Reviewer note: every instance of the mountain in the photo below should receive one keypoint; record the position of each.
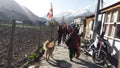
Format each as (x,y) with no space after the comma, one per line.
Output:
(10,9)
(69,15)
(87,11)
(65,14)
(32,16)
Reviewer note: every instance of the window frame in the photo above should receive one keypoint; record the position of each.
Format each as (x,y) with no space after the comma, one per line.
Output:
(107,25)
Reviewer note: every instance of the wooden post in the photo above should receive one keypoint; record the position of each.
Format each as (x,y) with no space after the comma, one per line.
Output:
(39,40)
(10,46)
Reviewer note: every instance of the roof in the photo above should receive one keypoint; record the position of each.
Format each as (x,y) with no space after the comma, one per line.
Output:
(79,17)
(91,16)
(111,7)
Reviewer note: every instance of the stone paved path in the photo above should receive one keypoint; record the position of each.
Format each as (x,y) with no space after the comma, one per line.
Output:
(61,60)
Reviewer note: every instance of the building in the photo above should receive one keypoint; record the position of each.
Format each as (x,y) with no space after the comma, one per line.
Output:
(89,26)
(110,23)
(81,22)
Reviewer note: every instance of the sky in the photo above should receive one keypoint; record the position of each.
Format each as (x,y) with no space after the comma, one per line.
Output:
(41,7)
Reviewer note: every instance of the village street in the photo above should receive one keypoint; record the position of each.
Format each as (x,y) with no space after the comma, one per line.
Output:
(26,24)
(61,60)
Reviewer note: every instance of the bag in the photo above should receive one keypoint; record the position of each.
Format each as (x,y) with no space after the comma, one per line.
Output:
(69,42)
(78,53)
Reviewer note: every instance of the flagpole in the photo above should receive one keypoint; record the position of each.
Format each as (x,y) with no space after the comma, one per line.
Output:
(51,29)
(50,16)
(51,22)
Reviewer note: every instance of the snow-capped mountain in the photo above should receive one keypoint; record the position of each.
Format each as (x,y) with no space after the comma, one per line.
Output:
(70,15)
(65,13)
(9,9)
(87,11)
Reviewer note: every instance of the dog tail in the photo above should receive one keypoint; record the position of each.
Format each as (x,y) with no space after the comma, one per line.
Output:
(45,44)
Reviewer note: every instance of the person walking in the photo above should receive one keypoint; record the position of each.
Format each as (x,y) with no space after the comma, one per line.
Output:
(74,44)
(70,30)
(60,31)
(65,32)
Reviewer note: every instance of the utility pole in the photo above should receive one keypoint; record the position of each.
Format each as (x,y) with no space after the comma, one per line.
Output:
(97,12)
(96,18)
(10,46)
(102,4)
(101,16)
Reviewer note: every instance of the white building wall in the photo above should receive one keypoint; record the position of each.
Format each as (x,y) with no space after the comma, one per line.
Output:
(117,44)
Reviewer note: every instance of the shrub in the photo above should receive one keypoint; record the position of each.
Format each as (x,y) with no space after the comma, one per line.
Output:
(26,64)
(34,57)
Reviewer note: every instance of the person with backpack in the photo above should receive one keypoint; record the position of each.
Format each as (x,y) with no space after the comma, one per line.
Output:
(73,43)
(70,30)
(65,32)
(60,34)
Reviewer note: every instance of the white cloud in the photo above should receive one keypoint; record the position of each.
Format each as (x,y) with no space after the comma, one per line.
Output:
(38,7)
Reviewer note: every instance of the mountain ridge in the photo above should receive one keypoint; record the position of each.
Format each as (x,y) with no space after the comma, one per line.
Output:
(87,11)
(10,9)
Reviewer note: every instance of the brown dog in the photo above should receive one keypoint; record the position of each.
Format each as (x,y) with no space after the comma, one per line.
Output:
(49,48)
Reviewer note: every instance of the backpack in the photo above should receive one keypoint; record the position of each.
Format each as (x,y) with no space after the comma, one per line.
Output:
(69,42)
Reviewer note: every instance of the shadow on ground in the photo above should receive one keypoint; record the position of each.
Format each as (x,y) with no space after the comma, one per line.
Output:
(60,63)
(87,64)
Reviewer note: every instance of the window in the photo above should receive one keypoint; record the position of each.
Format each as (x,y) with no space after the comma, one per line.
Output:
(118,26)
(114,16)
(108,17)
(111,30)
(109,27)
(105,29)
(118,31)
(107,20)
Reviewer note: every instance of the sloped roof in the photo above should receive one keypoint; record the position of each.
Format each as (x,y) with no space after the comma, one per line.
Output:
(111,7)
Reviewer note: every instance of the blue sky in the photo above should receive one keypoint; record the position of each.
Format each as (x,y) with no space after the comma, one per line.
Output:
(41,7)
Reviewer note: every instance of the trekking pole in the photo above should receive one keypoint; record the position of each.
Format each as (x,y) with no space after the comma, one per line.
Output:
(10,46)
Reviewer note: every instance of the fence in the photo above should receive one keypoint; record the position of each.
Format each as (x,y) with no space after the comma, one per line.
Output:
(18,40)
